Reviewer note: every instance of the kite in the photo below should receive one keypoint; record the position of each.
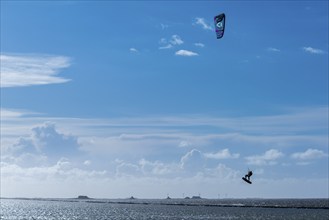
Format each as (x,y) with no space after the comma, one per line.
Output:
(219,21)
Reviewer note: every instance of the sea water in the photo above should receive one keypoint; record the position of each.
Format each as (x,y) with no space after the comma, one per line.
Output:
(99,209)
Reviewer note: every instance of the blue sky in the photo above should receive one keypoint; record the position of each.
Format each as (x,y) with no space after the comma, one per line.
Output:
(114,99)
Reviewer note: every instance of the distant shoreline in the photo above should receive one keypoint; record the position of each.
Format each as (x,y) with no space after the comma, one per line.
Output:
(177,198)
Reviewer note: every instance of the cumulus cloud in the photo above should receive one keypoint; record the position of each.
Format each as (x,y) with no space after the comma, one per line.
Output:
(47,139)
(29,70)
(268,158)
(309,154)
(222,172)
(203,23)
(193,161)
(156,168)
(186,53)
(222,154)
(44,142)
(127,169)
(313,50)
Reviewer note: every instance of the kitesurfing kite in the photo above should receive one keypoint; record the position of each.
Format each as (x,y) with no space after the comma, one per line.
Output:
(219,21)
(247,177)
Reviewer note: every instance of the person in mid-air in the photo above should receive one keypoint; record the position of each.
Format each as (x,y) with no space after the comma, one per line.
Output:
(248,175)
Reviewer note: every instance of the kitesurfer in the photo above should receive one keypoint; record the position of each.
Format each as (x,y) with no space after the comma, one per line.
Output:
(248,175)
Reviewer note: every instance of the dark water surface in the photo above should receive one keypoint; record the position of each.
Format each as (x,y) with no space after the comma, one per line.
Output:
(60,209)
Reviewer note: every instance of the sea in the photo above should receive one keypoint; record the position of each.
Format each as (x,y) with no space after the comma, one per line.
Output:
(101,209)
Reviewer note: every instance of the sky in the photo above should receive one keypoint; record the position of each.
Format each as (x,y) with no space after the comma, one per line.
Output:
(113,99)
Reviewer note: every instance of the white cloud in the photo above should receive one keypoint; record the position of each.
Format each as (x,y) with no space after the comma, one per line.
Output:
(313,50)
(28,70)
(309,154)
(47,139)
(186,53)
(184,144)
(63,169)
(87,162)
(268,158)
(203,23)
(127,169)
(193,161)
(157,167)
(25,159)
(12,113)
(222,154)
(163,41)
(44,143)
(145,168)
(168,46)
(164,26)
(273,49)
(199,44)
(175,40)
(133,50)
(223,172)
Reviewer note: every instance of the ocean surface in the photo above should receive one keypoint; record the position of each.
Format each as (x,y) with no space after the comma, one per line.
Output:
(99,209)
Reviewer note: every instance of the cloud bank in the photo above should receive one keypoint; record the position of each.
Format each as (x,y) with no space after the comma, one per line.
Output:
(128,154)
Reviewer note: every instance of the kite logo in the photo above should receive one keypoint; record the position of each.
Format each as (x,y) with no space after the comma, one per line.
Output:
(219,25)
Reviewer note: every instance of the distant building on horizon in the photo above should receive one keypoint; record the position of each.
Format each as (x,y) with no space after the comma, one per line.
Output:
(83,197)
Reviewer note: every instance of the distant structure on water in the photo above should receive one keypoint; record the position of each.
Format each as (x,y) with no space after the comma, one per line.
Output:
(83,197)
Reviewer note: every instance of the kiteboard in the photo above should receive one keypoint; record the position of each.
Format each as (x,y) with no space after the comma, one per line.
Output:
(245,179)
